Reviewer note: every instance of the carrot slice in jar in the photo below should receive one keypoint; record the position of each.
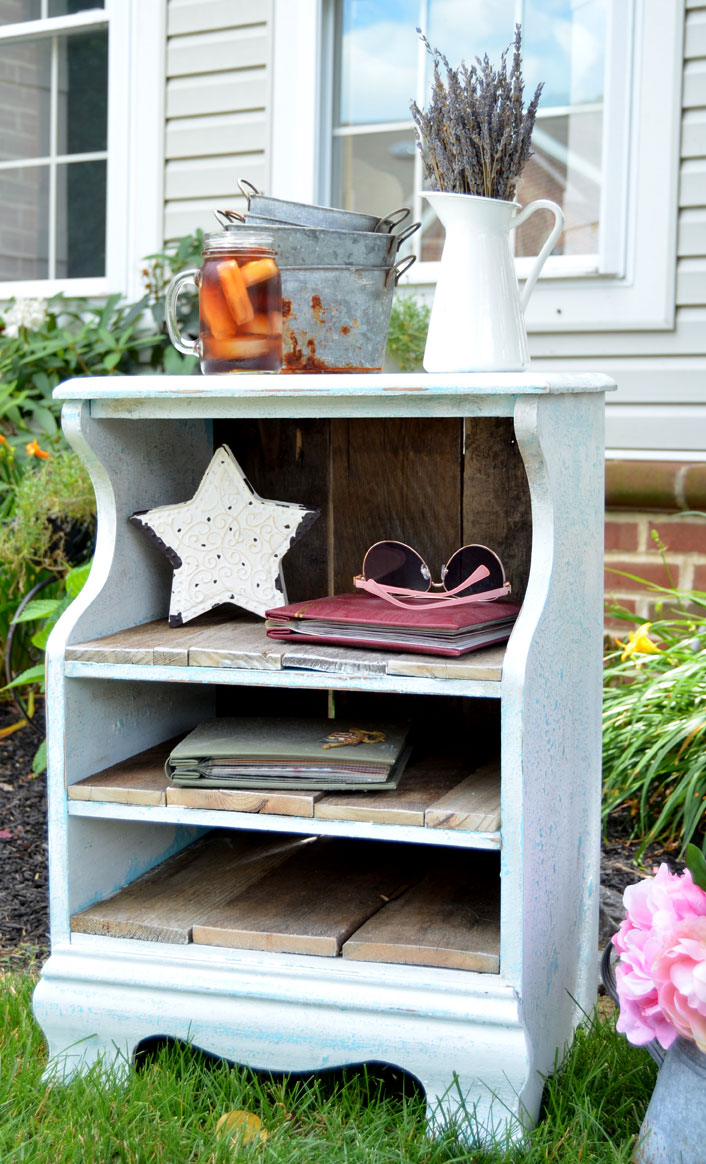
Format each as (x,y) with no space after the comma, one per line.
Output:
(258,270)
(214,311)
(244,347)
(235,291)
(260,325)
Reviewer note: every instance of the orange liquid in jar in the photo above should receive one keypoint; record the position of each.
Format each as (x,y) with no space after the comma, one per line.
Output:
(240,309)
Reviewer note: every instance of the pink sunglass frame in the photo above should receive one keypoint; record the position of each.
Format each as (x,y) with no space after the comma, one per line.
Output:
(431,600)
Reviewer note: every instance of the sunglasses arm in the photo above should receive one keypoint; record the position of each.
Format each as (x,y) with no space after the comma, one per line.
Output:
(389,592)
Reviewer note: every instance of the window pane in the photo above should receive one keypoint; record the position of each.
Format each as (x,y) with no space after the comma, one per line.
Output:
(24,100)
(83,93)
(463,31)
(377,74)
(15,11)
(566,50)
(68,7)
(566,167)
(24,213)
(80,215)
(374,171)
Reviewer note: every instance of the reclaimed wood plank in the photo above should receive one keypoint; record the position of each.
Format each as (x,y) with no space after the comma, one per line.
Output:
(132,645)
(449,919)
(246,800)
(486,664)
(418,458)
(314,901)
(474,804)
(138,780)
(162,905)
(496,500)
(420,786)
(237,643)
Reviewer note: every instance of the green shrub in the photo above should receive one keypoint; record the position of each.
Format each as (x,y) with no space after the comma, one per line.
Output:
(406,339)
(654,720)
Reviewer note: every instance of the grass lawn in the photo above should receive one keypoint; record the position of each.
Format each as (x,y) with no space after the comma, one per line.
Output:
(168,1110)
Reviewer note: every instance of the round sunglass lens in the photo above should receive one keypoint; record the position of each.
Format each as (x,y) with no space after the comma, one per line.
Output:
(465,561)
(395,564)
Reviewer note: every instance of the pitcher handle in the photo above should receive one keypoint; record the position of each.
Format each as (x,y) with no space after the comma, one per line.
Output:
(522,216)
(186,347)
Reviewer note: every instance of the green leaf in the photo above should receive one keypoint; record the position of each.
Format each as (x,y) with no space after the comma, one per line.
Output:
(696,864)
(112,359)
(31,675)
(37,608)
(39,762)
(76,579)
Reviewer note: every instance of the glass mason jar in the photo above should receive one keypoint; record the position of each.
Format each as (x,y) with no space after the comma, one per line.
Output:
(240,304)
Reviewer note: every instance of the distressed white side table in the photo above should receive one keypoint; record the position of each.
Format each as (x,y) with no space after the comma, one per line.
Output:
(486,1037)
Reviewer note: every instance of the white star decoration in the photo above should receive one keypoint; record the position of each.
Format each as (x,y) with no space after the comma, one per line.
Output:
(226,544)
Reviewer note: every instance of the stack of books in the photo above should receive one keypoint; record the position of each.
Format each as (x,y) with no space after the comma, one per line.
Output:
(278,753)
(359,619)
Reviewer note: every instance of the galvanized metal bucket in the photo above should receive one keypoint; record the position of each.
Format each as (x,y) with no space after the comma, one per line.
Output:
(335,318)
(307,214)
(315,246)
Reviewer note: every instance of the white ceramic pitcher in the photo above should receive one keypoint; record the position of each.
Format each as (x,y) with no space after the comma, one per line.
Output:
(477,319)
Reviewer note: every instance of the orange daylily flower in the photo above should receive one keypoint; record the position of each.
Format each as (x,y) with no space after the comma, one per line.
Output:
(3,439)
(33,450)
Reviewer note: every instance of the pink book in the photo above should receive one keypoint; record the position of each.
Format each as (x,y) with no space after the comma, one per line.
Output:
(358,619)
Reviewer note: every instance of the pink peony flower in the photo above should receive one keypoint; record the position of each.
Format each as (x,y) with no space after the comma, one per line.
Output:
(655,908)
(680,975)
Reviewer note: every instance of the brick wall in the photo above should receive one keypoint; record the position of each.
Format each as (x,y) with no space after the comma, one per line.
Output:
(648,503)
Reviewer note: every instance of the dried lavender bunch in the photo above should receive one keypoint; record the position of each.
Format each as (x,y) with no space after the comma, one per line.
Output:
(474,136)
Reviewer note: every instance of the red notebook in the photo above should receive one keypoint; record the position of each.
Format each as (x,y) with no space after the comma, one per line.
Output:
(364,620)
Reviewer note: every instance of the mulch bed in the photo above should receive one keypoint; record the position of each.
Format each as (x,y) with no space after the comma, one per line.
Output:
(24,915)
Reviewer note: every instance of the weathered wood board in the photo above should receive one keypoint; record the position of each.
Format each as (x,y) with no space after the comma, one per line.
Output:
(313,902)
(258,800)
(163,905)
(449,919)
(420,787)
(138,780)
(474,804)
(241,642)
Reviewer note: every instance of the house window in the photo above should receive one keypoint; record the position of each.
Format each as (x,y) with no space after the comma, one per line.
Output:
(381,64)
(67,185)
(606,139)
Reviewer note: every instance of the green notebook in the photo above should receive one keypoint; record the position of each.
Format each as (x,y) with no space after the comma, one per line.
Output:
(314,754)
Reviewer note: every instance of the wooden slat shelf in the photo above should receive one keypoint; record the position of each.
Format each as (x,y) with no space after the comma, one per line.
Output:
(241,642)
(432,793)
(364,900)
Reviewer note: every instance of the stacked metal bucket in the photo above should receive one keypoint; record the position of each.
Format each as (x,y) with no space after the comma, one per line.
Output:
(339,271)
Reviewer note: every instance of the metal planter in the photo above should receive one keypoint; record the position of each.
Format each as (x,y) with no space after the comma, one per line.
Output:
(313,246)
(306,214)
(336,318)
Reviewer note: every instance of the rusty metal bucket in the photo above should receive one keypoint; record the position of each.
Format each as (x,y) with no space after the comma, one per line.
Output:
(336,318)
(307,214)
(315,246)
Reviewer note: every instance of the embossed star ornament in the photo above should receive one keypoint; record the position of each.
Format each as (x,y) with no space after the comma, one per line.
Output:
(226,544)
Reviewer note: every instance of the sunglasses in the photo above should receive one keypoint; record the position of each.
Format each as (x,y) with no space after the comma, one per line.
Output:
(391,569)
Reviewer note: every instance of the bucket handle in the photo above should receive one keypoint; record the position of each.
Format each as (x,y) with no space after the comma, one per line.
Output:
(400,268)
(227,217)
(247,189)
(407,233)
(402,211)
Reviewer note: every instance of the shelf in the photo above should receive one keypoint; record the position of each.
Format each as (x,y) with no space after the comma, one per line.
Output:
(380,903)
(241,643)
(436,793)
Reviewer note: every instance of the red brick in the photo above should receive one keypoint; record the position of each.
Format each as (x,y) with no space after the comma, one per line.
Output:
(642,484)
(621,535)
(681,536)
(699,578)
(647,571)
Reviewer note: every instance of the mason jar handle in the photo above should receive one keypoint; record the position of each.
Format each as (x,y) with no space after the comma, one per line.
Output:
(517,220)
(187,348)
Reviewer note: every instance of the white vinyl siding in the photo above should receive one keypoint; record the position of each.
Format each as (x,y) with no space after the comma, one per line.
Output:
(217,97)
(660,405)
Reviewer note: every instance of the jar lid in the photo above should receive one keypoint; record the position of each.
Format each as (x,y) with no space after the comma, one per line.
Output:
(238,236)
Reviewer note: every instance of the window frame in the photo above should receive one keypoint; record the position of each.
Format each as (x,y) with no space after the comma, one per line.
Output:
(135,137)
(636,288)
